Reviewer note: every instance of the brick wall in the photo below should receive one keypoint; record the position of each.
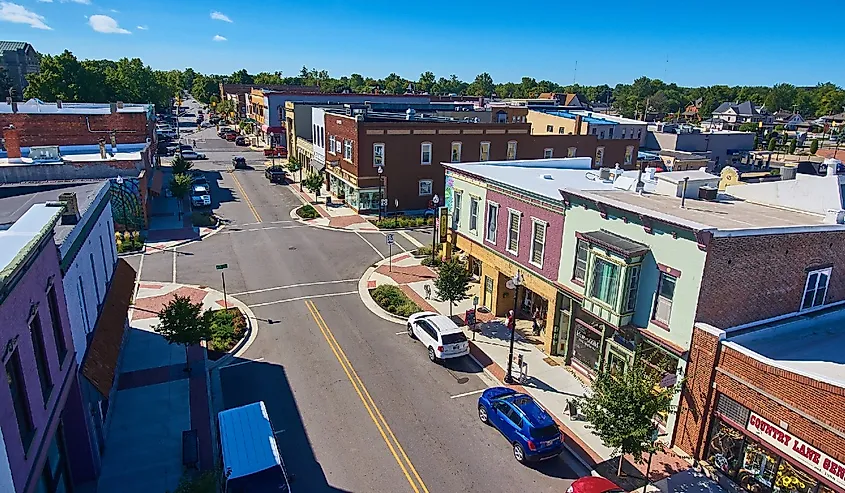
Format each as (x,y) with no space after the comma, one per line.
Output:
(808,402)
(752,278)
(65,130)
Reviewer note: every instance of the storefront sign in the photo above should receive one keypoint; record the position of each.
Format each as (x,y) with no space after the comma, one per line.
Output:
(795,448)
(444,223)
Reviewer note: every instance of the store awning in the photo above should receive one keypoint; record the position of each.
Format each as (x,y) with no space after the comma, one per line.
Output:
(157,182)
(614,243)
(100,364)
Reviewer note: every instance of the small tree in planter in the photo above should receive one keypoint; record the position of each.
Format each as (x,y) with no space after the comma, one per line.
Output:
(180,165)
(180,185)
(313,182)
(621,408)
(814,146)
(452,282)
(183,322)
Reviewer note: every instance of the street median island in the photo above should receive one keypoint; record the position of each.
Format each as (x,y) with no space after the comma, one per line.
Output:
(402,222)
(228,327)
(391,299)
(307,211)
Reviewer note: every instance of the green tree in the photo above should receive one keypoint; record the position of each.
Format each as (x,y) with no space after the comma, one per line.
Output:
(773,142)
(482,85)
(621,408)
(426,82)
(814,146)
(180,165)
(205,482)
(452,282)
(793,143)
(180,186)
(266,78)
(293,164)
(183,322)
(241,77)
(313,182)
(61,77)
(6,84)
(749,127)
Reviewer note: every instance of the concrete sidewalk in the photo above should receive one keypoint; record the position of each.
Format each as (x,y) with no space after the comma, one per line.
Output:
(156,399)
(336,215)
(548,380)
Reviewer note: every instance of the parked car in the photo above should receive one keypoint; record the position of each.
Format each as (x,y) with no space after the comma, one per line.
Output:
(594,484)
(200,192)
(231,137)
(239,162)
(241,141)
(276,174)
(193,155)
(439,334)
(530,430)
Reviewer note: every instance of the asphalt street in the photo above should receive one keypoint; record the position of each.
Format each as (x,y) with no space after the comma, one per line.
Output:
(355,402)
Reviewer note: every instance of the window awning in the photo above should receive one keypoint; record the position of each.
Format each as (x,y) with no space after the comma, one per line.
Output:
(615,243)
(100,364)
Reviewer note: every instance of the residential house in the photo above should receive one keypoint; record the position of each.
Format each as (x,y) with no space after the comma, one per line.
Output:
(410,149)
(736,114)
(18,59)
(692,111)
(789,120)
(97,290)
(42,415)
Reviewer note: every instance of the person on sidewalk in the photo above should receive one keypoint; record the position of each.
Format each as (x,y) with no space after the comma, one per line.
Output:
(511,320)
(535,325)
(427,289)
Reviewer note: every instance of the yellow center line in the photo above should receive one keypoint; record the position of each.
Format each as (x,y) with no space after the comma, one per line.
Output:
(369,403)
(246,198)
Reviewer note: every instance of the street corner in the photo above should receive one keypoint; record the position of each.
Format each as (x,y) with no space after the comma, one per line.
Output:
(152,297)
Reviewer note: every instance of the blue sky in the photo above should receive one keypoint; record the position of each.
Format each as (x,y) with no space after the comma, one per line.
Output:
(736,43)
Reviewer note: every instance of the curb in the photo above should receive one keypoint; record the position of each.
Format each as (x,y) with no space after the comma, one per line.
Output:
(221,225)
(246,341)
(371,305)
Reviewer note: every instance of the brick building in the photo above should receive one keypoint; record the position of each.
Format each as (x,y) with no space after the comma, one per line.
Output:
(66,124)
(18,59)
(410,149)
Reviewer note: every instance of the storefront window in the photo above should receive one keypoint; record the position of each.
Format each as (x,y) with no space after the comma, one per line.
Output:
(725,448)
(758,469)
(586,346)
(665,364)
(793,480)
(368,200)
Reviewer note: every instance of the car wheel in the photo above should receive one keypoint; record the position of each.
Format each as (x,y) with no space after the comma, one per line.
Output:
(411,331)
(431,355)
(518,453)
(482,414)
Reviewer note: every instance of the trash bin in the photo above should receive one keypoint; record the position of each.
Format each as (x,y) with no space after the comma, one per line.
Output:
(328,201)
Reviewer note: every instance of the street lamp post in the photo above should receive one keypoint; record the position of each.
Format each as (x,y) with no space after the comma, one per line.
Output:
(434,200)
(514,284)
(380,193)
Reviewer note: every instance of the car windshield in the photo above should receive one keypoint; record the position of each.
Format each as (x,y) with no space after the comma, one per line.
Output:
(453,338)
(546,432)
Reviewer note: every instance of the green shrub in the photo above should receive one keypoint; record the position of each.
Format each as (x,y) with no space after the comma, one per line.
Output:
(203,219)
(431,262)
(128,241)
(307,212)
(392,299)
(403,222)
(423,251)
(227,328)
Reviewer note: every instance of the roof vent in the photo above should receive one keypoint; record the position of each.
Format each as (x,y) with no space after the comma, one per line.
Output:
(70,215)
(548,177)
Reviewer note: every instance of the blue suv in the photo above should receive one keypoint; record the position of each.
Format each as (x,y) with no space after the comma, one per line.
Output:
(527,426)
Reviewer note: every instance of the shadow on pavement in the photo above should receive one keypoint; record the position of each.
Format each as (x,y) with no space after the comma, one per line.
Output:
(254,381)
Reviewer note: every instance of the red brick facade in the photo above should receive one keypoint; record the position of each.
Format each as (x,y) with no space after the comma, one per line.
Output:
(69,129)
(752,278)
(402,150)
(810,408)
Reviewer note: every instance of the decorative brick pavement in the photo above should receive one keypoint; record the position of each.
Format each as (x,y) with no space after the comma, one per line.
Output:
(149,307)
(406,275)
(344,221)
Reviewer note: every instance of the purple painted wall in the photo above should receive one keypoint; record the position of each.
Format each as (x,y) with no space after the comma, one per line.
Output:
(14,316)
(554,233)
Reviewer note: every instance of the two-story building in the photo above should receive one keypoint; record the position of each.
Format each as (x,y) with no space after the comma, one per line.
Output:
(733,115)
(410,148)
(578,122)
(44,432)
(18,59)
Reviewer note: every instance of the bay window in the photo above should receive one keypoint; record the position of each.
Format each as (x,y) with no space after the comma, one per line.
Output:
(604,283)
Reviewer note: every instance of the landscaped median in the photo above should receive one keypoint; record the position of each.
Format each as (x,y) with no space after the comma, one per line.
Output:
(228,327)
(391,299)
(307,211)
(402,222)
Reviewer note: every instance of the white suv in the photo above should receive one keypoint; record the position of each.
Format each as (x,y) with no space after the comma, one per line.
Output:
(439,334)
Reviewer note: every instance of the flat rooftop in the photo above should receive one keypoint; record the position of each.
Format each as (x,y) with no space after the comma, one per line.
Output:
(37,106)
(724,213)
(593,120)
(810,345)
(14,207)
(17,241)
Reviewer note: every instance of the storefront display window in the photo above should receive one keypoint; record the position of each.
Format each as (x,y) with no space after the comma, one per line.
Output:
(758,469)
(793,480)
(586,347)
(725,448)
(368,200)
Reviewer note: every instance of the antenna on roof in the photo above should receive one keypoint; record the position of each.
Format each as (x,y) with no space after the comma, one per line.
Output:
(575,74)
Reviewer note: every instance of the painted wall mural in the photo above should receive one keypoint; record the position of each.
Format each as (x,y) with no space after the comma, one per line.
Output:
(127,206)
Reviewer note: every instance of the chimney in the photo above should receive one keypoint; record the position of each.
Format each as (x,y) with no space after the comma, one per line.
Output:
(112,108)
(102,144)
(70,215)
(578,120)
(13,142)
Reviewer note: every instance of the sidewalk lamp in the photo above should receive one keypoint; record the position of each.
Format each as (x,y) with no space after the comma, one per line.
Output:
(434,200)
(380,193)
(514,283)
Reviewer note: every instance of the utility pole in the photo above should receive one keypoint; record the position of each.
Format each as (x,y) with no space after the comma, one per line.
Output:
(575,74)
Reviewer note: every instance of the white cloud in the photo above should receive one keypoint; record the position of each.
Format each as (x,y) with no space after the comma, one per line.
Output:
(141,28)
(105,24)
(46,1)
(220,16)
(218,37)
(12,12)
(83,2)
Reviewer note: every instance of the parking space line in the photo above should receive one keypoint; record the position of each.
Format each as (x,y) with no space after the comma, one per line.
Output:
(369,403)
(410,238)
(299,285)
(174,266)
(244,363)
(466,394)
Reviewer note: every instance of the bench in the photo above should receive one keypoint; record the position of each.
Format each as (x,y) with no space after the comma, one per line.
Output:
(190,449)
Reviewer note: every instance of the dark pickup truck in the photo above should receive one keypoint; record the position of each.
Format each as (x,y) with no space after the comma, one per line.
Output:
(276,174)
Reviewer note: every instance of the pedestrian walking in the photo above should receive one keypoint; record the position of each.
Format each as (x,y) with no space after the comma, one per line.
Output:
(511,320)
(535,325)
(427,289)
